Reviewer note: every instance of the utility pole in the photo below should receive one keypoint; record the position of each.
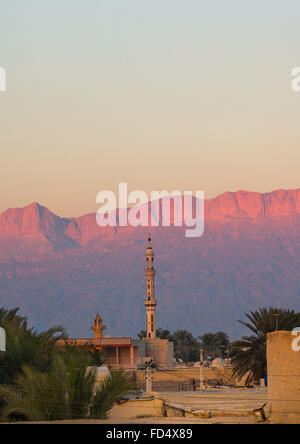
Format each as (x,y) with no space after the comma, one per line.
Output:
(187,357)
(277,317)
(148,376)
(2,340)
(201,370)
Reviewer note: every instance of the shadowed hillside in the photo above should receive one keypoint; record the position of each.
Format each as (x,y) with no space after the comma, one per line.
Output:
(62,271)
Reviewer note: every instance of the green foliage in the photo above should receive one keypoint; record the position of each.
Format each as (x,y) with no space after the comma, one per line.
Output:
(79,381)
(160,333)
(41,382)
(142,334)
(214,345)
(26,347)
(9,316)
(111,391)
(163,334)
(248,355)
(62,393)
(263,321)
(187,347)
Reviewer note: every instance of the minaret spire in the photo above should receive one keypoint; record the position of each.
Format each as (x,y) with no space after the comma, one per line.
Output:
(150,302)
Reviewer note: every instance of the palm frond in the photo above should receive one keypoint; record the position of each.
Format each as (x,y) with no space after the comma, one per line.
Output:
(110,392)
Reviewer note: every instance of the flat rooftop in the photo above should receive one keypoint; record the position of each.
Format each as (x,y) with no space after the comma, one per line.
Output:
(234,400)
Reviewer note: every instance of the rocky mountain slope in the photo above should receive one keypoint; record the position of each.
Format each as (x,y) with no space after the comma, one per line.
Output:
(61,270)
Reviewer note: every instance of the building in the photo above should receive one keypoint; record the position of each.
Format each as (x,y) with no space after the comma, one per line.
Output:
(283,364)
(160,350)
(118,352)
(129,353)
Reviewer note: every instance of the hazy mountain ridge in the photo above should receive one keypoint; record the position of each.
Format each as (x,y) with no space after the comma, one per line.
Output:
(62,270)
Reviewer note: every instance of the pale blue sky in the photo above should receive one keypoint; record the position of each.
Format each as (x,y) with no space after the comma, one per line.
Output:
(161,94)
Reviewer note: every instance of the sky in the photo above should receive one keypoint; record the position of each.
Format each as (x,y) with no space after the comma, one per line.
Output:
(164,95)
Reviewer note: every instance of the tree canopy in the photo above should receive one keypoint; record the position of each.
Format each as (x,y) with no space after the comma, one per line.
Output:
(40,382)
(248,355)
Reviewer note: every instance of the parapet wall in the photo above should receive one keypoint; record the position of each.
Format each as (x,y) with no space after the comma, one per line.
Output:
(184,379)
(283,378)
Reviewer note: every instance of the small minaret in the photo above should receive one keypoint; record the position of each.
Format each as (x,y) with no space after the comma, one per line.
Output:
(98,327)
(150,302)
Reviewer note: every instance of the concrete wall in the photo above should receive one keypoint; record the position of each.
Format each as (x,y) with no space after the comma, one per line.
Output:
(283,378)
(160,350)
(182,379)
(153,408)
(141,345)
(138,408)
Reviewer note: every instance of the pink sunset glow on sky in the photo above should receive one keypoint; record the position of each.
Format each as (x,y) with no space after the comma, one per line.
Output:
(162,95)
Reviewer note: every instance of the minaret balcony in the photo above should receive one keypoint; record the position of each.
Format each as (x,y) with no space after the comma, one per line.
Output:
(150,302)
(150,272)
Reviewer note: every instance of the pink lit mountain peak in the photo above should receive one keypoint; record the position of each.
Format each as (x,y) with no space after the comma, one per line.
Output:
(65,270)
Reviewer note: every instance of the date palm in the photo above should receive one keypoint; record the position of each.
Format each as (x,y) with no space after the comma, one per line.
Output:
(62,393)
(186,346)
(160,333)
(9,316)
(112,390)
(43,383)
(214,344)
(248,355)
(26,347)
(65,392)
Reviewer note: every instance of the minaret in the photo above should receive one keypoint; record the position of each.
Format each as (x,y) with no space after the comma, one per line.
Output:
(98,327)
(150,302)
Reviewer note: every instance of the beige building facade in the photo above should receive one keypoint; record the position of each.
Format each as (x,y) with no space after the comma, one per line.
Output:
(283,360)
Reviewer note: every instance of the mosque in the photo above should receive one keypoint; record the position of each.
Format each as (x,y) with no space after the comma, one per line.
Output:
(128,353)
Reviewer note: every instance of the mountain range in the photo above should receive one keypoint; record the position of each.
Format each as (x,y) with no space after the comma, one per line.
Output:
(65,270)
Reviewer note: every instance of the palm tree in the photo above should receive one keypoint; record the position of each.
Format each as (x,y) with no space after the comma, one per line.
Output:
(44,383)
(62,393)
(65,392)
(111,391)
(38,396)
(9,316)
(186,346)
(26,347)
(163,334)
(214,344)
(160,333)
(80,365)
(248,355)
(224,342)
(142,334)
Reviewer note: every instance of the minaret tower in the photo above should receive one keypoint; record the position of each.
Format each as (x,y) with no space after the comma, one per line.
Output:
(150,302)
(98,327)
